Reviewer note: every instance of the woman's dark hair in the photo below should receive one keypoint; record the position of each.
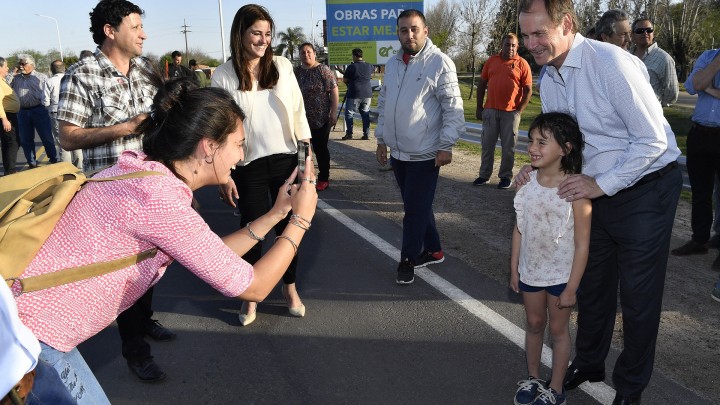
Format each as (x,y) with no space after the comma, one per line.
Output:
(304,44)
(183,115)
(268,73)
(564,129)
(110,12)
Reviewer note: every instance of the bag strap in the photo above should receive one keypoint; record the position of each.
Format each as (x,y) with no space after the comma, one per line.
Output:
(133,175)
(65,276)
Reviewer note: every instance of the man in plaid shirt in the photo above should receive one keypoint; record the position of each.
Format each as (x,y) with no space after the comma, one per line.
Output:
(103,99)
(660,65)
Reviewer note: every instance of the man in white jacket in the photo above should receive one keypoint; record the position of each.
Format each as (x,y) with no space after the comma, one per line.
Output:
(420,119)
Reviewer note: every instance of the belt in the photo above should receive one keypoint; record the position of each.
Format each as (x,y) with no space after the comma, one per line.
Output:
(654,175)
(705,130)
(30,108)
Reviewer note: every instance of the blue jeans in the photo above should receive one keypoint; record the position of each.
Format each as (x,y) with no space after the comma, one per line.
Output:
(31,120)
(75,374)
(48,388)
(417,181)
(351,106)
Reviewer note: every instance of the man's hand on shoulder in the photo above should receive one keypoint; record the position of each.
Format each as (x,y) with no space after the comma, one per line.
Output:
(443,157)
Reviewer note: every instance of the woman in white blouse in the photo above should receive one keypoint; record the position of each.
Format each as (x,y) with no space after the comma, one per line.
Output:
(266,89)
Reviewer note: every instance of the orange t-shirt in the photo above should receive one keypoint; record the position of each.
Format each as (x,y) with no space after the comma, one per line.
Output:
(506,79)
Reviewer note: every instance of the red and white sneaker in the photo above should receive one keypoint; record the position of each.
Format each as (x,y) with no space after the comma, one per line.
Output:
(430,258)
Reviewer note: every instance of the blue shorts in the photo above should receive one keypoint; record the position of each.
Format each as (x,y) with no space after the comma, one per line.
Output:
(554,290)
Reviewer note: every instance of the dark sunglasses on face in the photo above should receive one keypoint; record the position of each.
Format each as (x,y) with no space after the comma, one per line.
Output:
(643,30)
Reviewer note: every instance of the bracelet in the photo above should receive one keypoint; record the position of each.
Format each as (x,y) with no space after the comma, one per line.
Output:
(292,242)
(299,224)
(252,234)
(296,216)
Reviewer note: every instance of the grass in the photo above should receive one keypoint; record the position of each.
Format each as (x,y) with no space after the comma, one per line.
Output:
(678,117)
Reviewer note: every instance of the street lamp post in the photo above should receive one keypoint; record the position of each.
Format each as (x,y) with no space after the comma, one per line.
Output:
(57,27)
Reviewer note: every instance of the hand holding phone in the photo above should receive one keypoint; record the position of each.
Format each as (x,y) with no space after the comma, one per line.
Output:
(302,154)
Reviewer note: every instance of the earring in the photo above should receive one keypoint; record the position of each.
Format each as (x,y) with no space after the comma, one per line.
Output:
(211,159)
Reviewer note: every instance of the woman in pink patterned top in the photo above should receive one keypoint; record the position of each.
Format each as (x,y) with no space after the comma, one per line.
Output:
(193,139)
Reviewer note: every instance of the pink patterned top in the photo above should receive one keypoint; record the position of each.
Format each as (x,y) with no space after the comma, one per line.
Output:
(110,220)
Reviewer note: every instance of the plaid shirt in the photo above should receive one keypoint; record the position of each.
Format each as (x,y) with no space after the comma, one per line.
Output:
(663,77)
(94,94)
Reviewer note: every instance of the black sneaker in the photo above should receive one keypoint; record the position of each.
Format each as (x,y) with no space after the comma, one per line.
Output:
(146,370)
(690,248)
(430,258)
(406,272)
(347,137)
(480,181)
(155,330)
(365,137)
(504,183)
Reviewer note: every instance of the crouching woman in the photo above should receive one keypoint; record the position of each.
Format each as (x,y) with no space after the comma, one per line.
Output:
(193,139)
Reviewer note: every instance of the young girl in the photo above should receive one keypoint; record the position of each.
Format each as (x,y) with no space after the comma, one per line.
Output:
(549,251)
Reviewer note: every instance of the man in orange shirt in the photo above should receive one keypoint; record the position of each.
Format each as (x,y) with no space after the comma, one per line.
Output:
(508,81)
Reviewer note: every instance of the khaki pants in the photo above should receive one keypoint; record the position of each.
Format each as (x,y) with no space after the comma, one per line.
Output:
(503,125)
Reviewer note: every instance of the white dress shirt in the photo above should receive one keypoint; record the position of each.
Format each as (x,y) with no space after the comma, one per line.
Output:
(608,91)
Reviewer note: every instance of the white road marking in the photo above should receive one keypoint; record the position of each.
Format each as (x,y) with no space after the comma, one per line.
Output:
(600,391)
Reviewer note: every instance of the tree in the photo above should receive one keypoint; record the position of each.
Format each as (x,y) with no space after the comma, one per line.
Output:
(290,39)
(474,15)
(442,21)
(505,22)
(588,13)
(683,20)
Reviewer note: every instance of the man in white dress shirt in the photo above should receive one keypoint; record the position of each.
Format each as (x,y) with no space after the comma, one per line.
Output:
(631,175)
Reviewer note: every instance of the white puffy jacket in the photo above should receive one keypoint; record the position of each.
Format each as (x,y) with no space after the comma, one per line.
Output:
(420,110)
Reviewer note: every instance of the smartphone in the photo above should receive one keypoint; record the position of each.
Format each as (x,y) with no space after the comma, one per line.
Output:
(302,154)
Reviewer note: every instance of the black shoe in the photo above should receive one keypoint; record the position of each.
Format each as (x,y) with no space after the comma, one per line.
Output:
(619,400)
(429,257)
(155,330)
(714,242)
(147,370)
(716,264)
(480,181)
(406,272)
(575,377)
(690,248)
(347,137)
(365,137)
(504,183)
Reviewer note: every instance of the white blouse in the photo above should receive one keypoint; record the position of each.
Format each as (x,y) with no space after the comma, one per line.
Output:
(546,225)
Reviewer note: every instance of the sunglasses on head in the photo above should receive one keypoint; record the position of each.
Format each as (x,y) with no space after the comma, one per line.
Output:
(648,30)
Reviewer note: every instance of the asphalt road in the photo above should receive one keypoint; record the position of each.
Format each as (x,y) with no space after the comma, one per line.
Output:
(454,336)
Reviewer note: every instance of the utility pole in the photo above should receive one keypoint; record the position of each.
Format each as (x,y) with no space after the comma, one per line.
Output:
(185,31)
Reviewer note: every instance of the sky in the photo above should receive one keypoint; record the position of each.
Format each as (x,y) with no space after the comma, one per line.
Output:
(22,29)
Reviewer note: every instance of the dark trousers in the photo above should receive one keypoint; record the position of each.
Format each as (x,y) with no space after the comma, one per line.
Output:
(131,325)
(319,142)
(10,143)
(703,165)
(258,184)
(36,119)
(629,244)
(417,181)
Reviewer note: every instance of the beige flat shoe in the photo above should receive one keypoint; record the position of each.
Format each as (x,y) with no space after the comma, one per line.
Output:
(245,317)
